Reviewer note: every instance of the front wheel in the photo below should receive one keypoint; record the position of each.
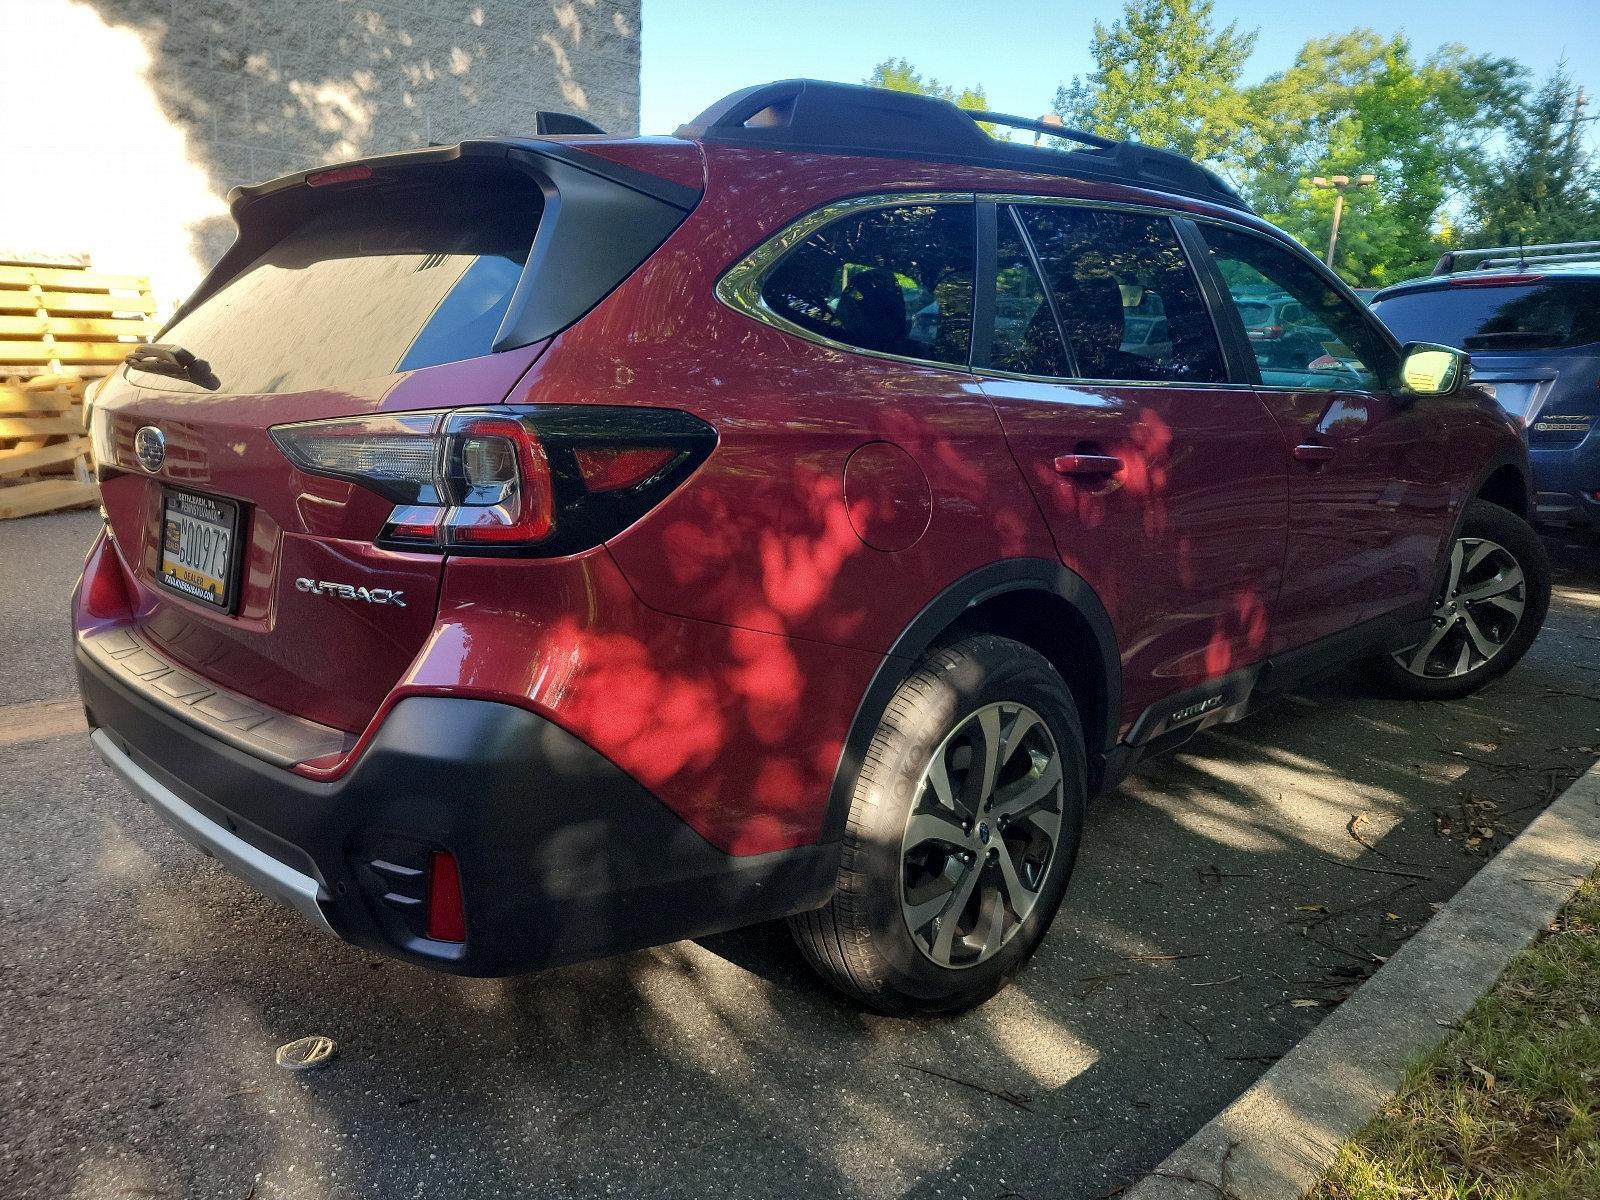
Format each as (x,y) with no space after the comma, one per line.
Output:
(1492,604)
(962,833)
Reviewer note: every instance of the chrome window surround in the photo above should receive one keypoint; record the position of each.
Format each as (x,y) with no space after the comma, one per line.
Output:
(740,286)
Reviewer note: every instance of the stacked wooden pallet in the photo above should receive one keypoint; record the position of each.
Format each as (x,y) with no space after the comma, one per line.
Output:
(62,326)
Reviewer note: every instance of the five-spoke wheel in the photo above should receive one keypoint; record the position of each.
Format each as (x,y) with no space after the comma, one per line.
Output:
(1477,615)
(981,834)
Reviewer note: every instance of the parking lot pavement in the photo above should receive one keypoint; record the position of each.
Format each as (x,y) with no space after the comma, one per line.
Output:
(1226,897)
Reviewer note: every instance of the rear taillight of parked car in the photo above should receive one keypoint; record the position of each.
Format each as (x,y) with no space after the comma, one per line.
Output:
(541,480)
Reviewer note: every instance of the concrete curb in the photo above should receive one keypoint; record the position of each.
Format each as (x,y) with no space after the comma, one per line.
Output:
(1271,1143)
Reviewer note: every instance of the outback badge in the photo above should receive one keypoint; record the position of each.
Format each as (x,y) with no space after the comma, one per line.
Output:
(346,591)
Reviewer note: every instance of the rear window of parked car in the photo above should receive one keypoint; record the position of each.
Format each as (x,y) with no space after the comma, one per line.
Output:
(390,280)
(894,280)
(1552,314)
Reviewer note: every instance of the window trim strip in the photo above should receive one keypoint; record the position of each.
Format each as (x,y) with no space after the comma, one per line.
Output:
(739,287)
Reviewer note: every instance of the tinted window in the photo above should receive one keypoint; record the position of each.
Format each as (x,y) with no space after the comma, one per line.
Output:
(1550,315)
(1026,339)
(1314,337)
(391,280)
(1129,304)
(895,280)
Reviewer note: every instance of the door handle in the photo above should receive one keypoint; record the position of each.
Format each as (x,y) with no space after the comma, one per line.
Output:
(1087,464)
(1313,452)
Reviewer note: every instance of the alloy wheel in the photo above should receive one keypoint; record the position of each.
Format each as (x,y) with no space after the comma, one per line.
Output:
(1476,616)
(982,834)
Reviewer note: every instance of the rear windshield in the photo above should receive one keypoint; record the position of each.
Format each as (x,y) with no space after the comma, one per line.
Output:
(1550,315)
(391,280)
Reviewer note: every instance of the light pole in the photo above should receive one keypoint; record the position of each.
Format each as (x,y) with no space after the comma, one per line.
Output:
(1340,184)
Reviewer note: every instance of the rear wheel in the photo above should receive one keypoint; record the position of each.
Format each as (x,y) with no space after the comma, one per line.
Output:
(1490,608)
(962,833)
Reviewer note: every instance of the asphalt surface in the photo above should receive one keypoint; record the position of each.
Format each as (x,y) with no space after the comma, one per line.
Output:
(1223,903)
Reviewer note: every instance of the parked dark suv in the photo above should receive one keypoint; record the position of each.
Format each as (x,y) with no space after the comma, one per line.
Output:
(1530,318)
(532,549)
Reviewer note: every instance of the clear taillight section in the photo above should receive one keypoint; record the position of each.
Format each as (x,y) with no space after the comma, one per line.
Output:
(493,481)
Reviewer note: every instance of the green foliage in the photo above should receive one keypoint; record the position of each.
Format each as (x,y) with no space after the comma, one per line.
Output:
(898,75)
(1165,76)
(1544,186)
(1360,103)
(1466,149)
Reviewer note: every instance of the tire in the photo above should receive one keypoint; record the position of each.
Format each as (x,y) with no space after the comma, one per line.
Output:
(1491,549)
(982,690)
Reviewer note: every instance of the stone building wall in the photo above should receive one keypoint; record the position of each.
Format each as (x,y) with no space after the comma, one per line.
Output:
(169,103)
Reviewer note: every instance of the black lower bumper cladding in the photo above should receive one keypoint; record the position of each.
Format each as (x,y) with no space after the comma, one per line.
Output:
(562,855)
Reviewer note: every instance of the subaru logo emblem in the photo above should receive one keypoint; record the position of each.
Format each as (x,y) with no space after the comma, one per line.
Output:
(983,834)
(150,444)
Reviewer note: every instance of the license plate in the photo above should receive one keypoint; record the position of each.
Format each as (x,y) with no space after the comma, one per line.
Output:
(198,536)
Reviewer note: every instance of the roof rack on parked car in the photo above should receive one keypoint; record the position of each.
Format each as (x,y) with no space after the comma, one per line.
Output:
(841,118)
(1494,257)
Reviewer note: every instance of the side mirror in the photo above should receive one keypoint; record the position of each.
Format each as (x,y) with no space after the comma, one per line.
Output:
(1430,370)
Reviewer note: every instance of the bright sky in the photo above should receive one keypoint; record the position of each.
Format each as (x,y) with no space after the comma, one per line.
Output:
(696,51)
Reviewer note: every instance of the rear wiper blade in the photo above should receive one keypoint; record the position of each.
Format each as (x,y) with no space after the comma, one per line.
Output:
(171,360)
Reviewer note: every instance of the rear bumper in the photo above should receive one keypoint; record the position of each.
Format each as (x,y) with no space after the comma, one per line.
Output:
(1565,482)
(562,855)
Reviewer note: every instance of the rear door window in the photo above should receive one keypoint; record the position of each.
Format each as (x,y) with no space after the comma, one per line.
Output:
(893,280)
(1129,303)
(1026,339)
(1552,314)
(393,279)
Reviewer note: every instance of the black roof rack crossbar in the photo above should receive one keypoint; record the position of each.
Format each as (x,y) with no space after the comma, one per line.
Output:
(841,118)
(1510,256)
(1043,125)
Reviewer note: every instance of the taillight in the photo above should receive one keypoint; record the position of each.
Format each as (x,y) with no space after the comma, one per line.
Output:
(542,480)
(105,589)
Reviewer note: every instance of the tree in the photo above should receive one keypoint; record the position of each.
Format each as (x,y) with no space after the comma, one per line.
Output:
(1165,76)
(1544,186)
(1359,103)
(898,75)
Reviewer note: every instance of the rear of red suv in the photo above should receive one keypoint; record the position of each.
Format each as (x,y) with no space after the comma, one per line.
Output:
(525,551)
(354,563)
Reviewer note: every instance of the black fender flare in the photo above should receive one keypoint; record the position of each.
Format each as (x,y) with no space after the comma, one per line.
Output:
(1507,457)
(985,583)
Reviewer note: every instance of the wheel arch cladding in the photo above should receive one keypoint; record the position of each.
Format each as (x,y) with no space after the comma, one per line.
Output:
(1031,600)
(1507,486)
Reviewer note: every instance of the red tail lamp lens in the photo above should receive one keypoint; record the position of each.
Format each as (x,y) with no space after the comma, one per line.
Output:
(610,468)
(105,593)
(501,479)
(447,920)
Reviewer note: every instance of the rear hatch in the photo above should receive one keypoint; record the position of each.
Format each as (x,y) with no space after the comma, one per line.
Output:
(1534,338)
(381,293)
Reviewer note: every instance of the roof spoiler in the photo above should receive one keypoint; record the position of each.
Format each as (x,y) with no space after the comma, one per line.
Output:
(841,118)
(600,220)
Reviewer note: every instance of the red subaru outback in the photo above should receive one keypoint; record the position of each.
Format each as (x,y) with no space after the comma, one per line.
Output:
(533,549)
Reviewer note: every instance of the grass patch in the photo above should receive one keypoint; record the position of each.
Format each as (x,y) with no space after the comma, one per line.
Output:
(1509,1107)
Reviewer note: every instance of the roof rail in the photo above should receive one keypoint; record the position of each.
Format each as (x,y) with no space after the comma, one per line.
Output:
(1517,256)
(842,118)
